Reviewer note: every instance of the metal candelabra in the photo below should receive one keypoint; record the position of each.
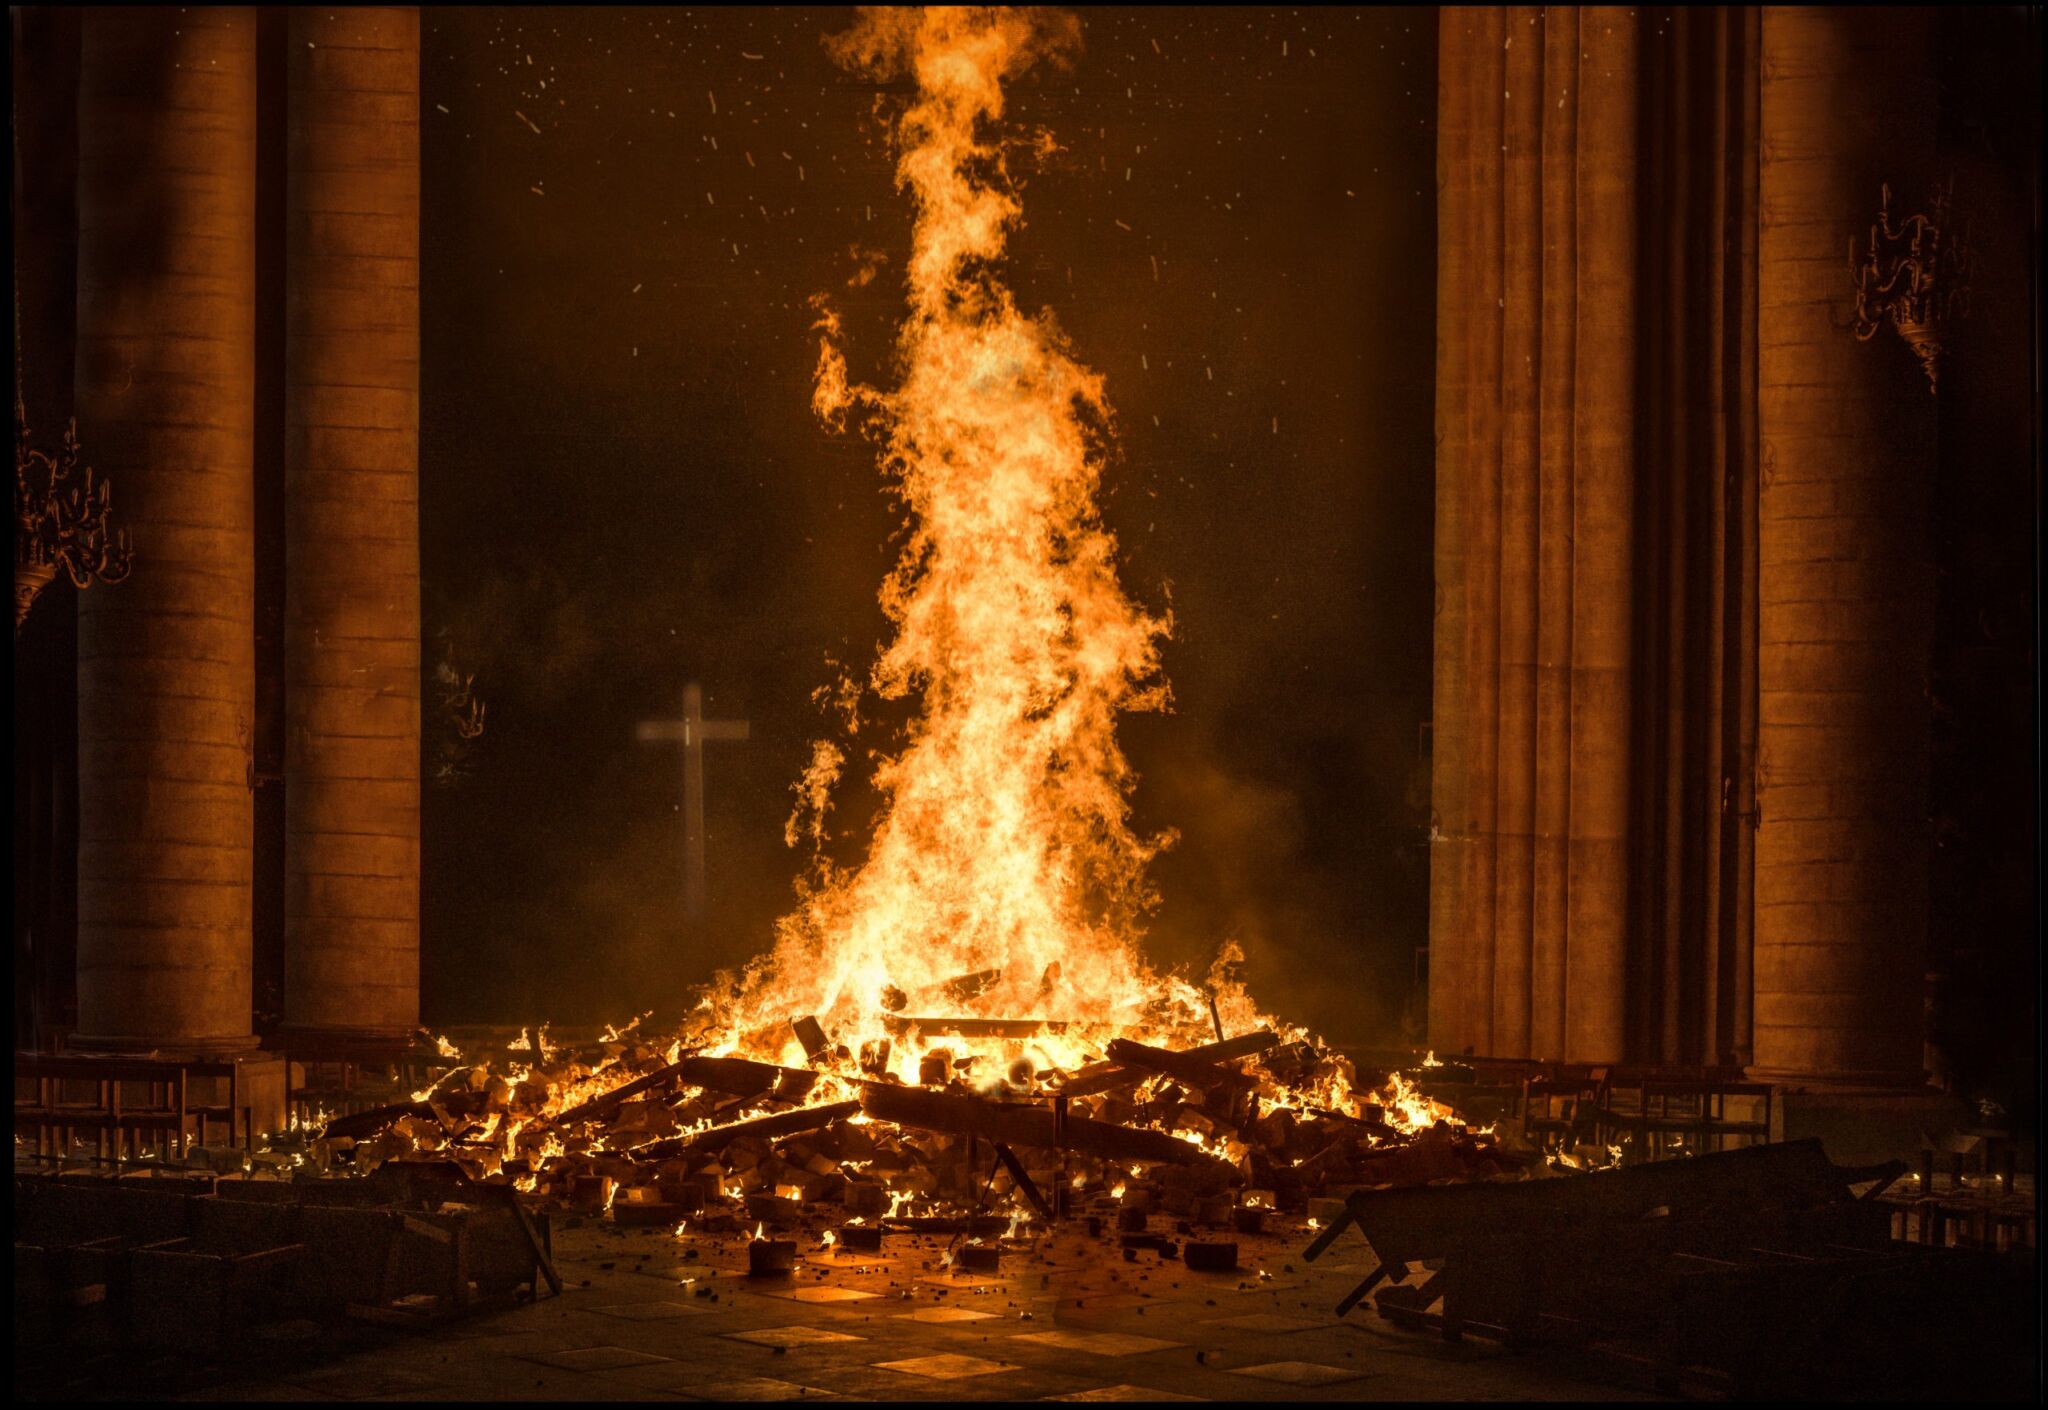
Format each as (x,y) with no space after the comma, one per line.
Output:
(60,520)
(1914,275)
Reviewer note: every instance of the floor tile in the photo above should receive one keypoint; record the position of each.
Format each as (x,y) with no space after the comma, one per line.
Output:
(272,1391)
(847,1262)
(943,1315)
(1122,1393)
(593,1358)
(946,1367)
(758,1388)
(827,1294)
(1299,1373)
(787,1337)
(1269,1322)
(362,1383)
(685,1272)
(1099,1343)
(656,1311)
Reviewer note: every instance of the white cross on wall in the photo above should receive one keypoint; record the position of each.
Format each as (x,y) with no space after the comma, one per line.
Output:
(693,732)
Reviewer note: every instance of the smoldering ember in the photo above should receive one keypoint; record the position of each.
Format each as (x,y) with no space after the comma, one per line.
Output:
(1006,703)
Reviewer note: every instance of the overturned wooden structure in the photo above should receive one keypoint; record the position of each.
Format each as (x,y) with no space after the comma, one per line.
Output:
(1756,1272)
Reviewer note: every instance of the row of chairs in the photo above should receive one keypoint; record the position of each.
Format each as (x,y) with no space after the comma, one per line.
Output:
(1647,1113)
(127,1108)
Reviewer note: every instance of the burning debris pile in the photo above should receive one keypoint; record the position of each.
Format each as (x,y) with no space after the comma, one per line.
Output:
(676,1134)
(1002,885)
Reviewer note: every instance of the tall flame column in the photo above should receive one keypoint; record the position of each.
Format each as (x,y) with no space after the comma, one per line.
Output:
(1845,630)
(166,400)
(352,613)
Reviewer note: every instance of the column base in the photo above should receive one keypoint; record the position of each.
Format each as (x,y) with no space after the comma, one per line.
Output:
(86,1045)
(307,1042)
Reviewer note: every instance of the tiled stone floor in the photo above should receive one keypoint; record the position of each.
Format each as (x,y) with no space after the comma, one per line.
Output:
(642,1319)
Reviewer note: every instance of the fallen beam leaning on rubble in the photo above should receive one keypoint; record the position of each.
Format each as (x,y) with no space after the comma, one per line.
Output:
(782,1123)
(1026,1125)
(1184,1068)
(1105,1076)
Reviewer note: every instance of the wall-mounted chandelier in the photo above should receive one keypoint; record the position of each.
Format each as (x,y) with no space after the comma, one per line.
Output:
(60,520)
(1914,275)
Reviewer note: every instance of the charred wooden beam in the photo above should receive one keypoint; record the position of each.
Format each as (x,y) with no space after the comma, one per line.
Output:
(611,1101)
(358,1124)
(1025,1125)
(1182,1067)
(743,1077)
(811,1034)
(1106,1076)
(1025,1184)
(968,986)
(1228,1049)
(781,1123)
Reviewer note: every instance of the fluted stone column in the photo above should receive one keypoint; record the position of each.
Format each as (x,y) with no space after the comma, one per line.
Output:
(352,626)
(1846,577)
(1537,277)
(165,395)
(1595,533)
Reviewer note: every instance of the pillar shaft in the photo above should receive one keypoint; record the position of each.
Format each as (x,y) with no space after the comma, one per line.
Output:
(352,616)
(165,394)
(1846,581)
(1536,294)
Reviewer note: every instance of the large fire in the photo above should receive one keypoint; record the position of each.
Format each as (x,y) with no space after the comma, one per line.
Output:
(1004,849)
(988,943)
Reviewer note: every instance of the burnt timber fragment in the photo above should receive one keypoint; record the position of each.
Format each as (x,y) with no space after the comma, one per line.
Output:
(1025,1125)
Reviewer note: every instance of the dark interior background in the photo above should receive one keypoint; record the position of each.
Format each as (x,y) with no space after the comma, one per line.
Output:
(624,489)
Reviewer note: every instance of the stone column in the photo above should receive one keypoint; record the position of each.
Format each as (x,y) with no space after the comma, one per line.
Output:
(1536,336)
(1846,578)
(1595,533)
(165,393)
(352,625)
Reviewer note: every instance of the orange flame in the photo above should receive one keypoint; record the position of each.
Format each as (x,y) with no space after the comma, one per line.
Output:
(1004,843)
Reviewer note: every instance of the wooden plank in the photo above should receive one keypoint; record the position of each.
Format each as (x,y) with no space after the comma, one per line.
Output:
(782,1123)
(1024,1181)
(1026,1125)
(1184,1068)
(1106,1076)
(542,1259)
